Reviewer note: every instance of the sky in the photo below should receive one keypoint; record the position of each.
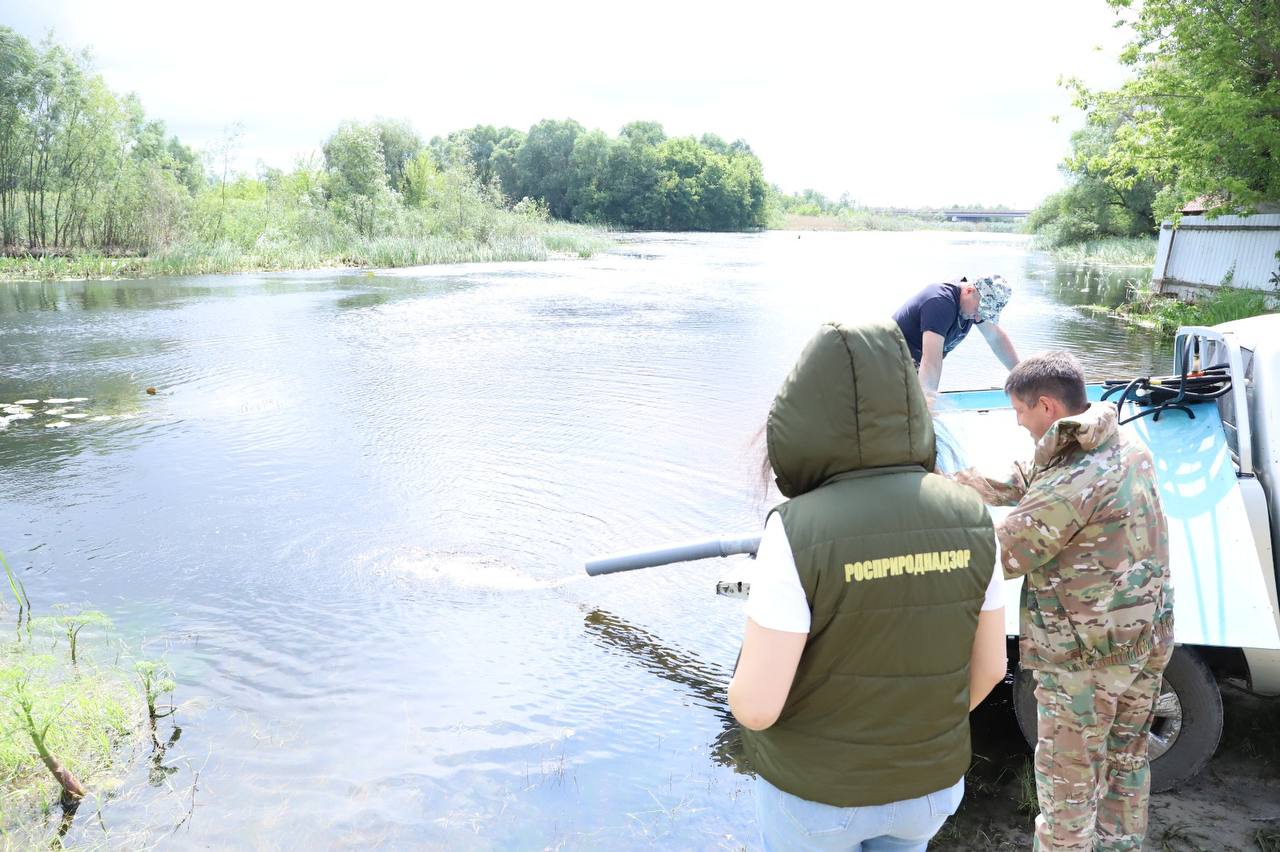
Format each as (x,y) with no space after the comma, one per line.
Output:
(912,104)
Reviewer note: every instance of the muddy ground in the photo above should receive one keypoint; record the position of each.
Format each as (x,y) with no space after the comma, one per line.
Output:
(1232,806)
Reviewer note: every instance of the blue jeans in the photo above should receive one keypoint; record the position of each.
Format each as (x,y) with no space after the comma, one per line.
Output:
(788,822)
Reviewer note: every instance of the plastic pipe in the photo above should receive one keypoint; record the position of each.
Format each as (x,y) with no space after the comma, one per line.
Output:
(632,560)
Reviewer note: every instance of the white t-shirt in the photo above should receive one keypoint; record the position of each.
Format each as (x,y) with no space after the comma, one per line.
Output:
(777,599)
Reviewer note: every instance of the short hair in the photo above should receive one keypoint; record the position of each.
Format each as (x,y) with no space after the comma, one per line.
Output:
(1053,374)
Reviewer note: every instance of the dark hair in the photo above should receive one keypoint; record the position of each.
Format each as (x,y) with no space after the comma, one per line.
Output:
(1053,374)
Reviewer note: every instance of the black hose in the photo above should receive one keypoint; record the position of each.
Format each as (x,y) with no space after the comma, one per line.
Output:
(1157,394)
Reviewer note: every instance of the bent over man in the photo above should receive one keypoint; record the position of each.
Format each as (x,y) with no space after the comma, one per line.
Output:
(1089,535)
(936,319)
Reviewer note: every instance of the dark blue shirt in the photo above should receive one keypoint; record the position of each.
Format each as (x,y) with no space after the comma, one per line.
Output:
(936,308)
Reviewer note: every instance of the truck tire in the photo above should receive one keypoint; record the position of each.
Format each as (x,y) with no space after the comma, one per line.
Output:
(1187,726)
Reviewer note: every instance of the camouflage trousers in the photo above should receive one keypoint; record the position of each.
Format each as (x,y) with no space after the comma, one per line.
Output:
(1092,777)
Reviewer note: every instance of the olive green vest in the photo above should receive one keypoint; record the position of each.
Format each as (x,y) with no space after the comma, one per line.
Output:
(894,561)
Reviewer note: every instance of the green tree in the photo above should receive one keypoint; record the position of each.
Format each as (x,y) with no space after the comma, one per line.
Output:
(502,163)
(634,199)
(644,133)
(745,191)
(421,180)
(478,146)
(356,173)
(17,99)
(588,192)
(400,144)
(1100,201)
(185,163)
(544,163)
(1201,115)
(681,181)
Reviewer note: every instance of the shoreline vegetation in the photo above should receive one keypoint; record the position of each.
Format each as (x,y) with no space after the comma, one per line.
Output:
(521,240)
(90,186)
(73,719)
(810,210)
(1103,251)
(1163,314)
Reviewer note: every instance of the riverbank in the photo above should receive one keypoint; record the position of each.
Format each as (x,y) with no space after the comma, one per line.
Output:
(1164,314)
(535,242)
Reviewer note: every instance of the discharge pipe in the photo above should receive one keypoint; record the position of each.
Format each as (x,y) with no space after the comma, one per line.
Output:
(631,560)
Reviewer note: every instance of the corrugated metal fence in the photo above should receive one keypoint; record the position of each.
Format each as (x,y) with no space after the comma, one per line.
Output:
(1240,251)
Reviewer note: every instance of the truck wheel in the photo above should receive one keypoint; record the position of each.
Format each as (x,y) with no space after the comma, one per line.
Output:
(1187,726)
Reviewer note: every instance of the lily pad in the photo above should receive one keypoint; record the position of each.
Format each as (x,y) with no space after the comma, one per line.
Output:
(57,400)
(53,411)
(78,399)
(74,416)
(26,415)
(99,419)
(61,424)
(26,402)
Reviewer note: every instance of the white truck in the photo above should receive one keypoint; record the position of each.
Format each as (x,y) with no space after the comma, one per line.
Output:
(1213,428)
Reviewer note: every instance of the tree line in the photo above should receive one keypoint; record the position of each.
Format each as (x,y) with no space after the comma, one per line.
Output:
(79,165)
(84,168)
(640,179)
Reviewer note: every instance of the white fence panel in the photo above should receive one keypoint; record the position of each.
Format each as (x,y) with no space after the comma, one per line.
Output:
(1236,250)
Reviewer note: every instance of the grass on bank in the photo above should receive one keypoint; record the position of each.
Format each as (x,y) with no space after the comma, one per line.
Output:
(1163,314)
(321,251)
(67,718)
(1107,251)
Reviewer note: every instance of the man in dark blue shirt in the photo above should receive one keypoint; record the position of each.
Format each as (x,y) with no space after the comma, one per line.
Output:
(937,318)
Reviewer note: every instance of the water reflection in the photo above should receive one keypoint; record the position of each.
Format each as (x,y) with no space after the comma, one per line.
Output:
(1107,286)
(683,668)
(26,296)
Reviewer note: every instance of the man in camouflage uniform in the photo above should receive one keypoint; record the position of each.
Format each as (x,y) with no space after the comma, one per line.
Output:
(1089,535)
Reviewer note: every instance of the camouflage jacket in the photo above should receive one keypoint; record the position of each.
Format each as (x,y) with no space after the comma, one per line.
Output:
(1091,538)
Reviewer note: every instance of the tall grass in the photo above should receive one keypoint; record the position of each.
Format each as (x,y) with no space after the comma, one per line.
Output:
(1108,251)
(1228,304)
(268,234)
(1164,314)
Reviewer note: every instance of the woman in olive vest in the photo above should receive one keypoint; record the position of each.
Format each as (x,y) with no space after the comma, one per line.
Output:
(875,621)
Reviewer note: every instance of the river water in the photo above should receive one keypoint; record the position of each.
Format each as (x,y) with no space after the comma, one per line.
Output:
(353,518)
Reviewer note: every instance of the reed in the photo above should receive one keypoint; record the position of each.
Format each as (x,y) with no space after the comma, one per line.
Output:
(1108,251)
(261,243)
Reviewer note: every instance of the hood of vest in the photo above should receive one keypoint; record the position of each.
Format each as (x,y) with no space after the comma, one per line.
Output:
(851,402)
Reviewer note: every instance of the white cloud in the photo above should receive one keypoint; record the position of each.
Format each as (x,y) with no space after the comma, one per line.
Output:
(914,103)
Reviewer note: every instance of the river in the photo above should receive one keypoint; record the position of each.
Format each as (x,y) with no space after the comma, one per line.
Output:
(352,519)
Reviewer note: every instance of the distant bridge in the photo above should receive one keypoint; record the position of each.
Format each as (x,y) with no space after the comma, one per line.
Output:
(962,215)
